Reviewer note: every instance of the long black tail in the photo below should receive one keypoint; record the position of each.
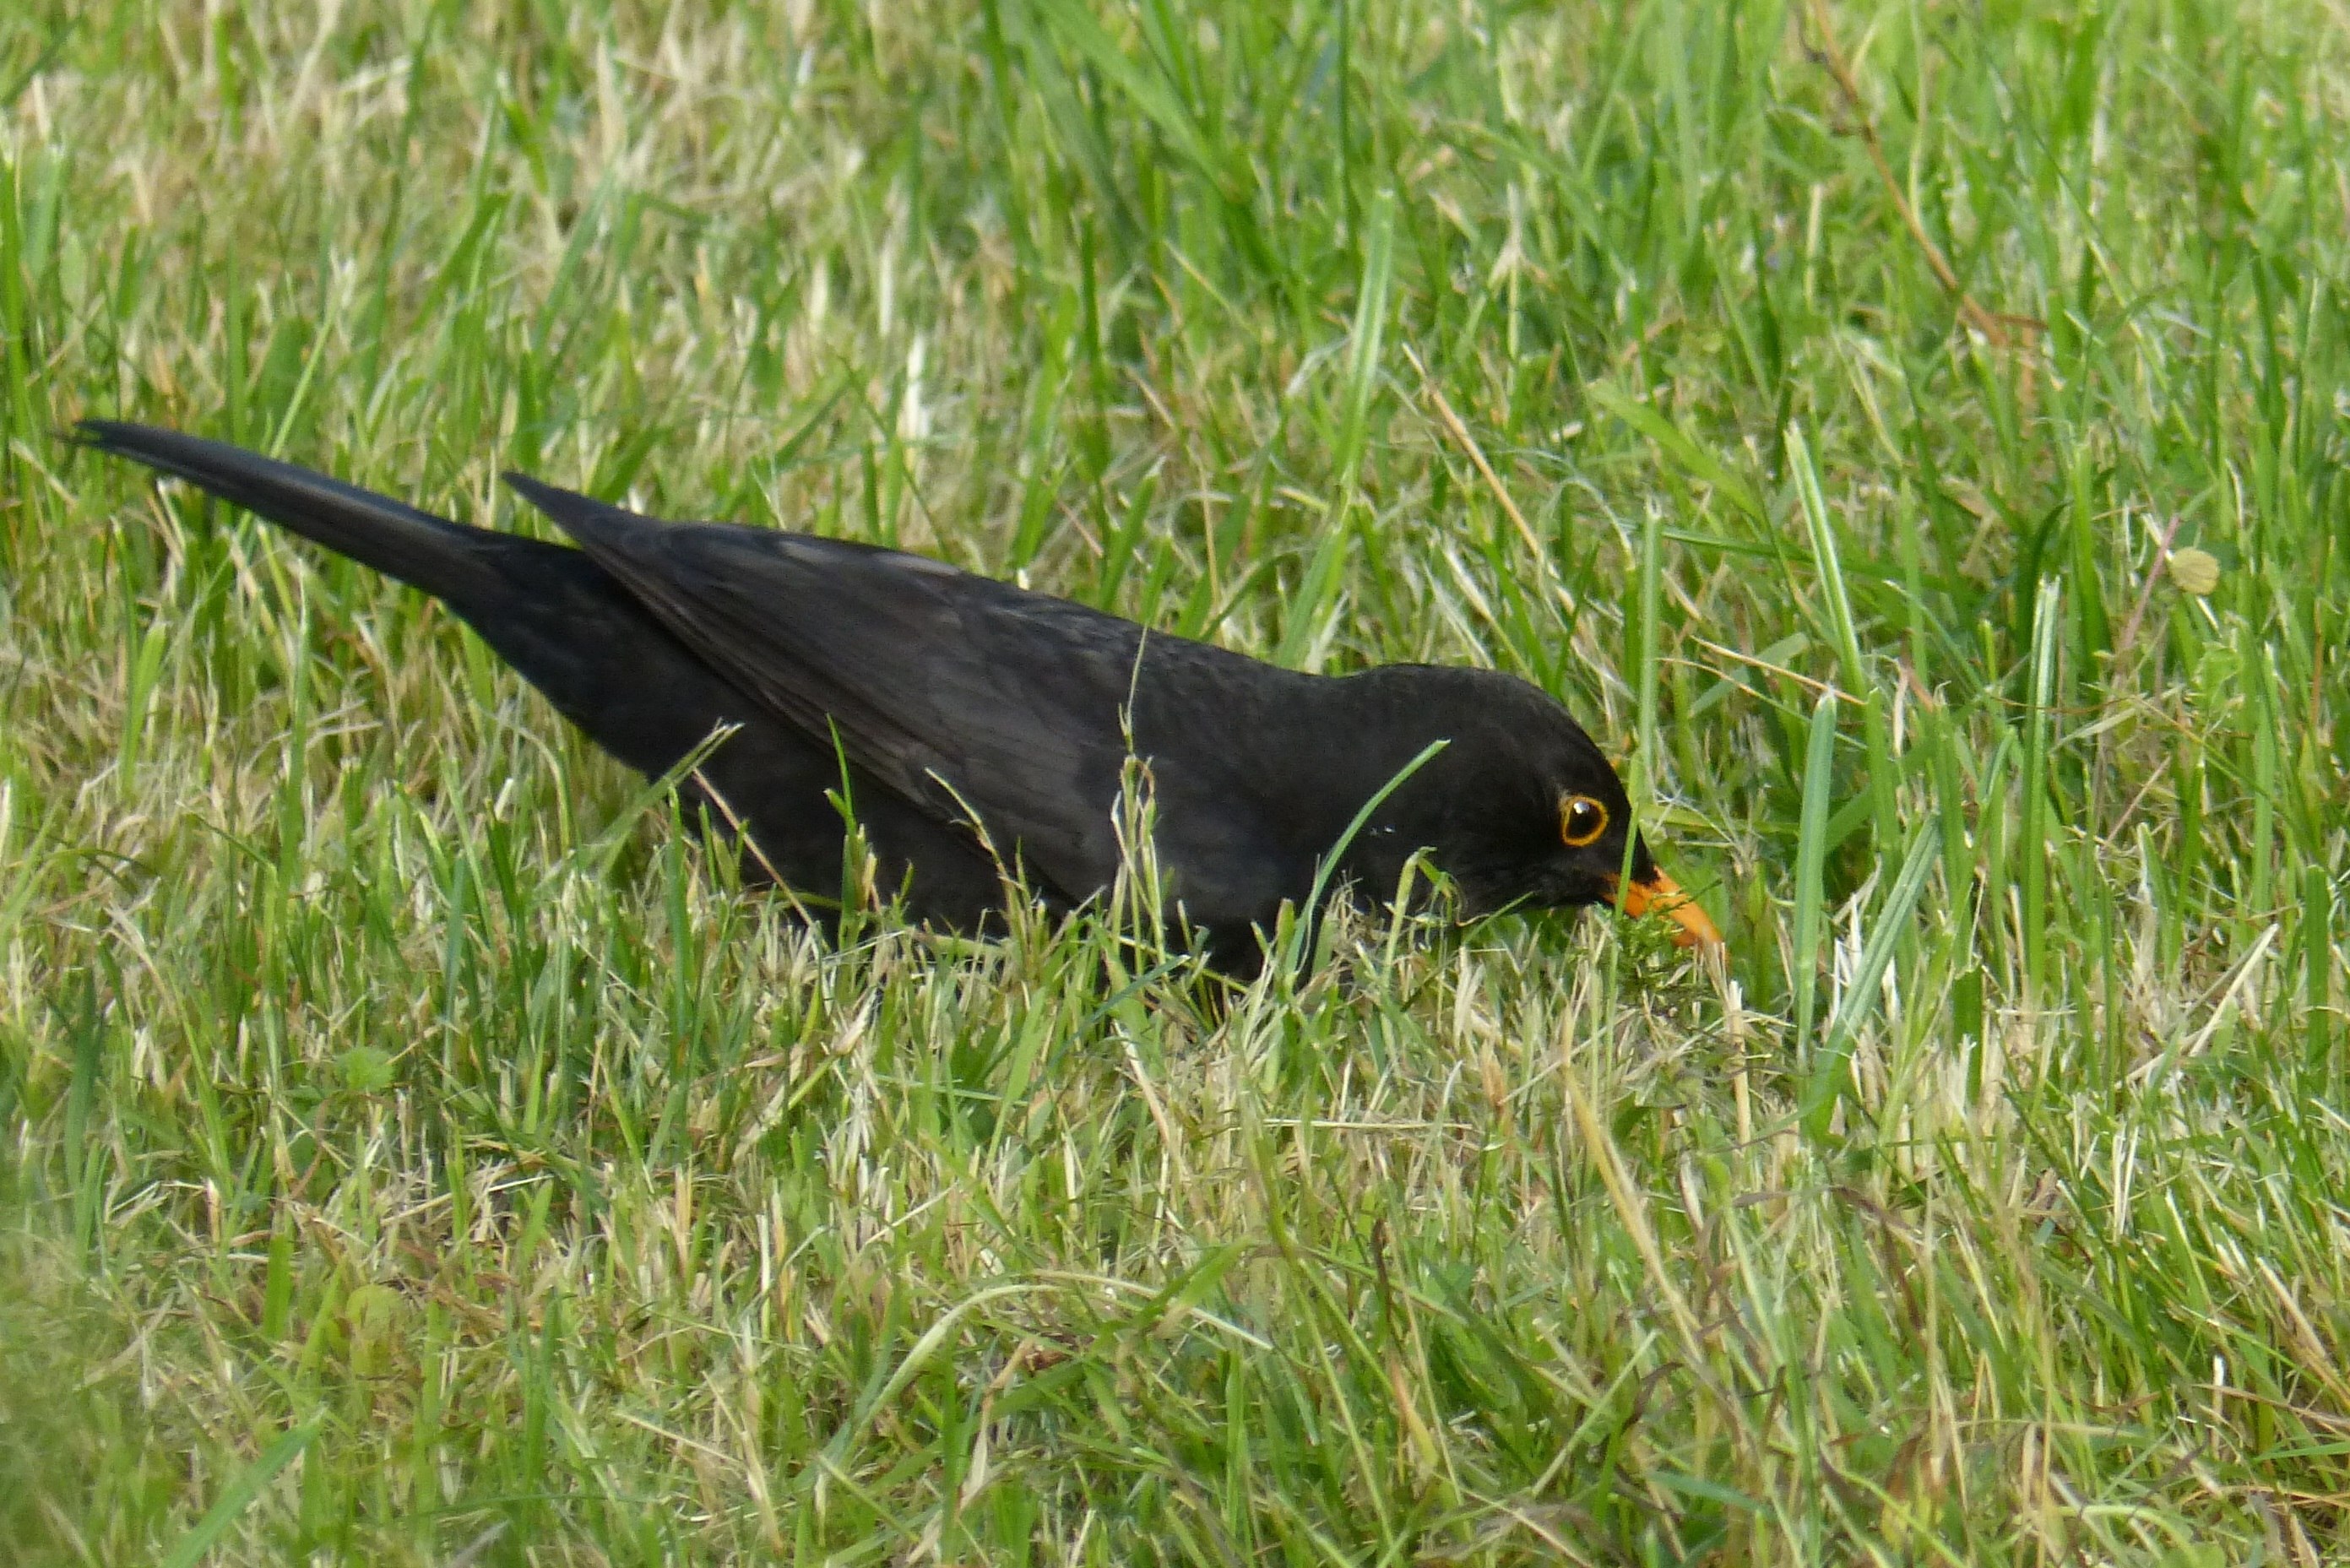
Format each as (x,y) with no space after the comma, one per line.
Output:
(445,559)
(606,662)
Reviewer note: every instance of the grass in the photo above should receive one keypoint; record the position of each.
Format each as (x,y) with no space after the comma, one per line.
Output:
(417,1152)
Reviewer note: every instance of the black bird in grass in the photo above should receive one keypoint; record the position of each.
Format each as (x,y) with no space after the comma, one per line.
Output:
(976,724)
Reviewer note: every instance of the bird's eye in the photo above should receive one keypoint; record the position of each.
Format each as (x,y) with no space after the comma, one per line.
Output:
(1581,820)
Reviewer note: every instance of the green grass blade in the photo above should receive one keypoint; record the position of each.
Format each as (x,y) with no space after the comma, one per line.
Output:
(1830,1067)
(238,1495)
(1811,855)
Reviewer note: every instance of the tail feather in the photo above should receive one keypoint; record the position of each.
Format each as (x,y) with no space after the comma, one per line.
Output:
(431,553)
(608,664)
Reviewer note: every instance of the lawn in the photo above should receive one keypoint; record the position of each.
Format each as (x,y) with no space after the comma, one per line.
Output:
(1907,435)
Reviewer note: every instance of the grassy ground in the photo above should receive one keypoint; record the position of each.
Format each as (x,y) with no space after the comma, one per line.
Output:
(415,1153)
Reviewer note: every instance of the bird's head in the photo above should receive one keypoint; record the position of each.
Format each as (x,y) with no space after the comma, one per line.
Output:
(1519,808)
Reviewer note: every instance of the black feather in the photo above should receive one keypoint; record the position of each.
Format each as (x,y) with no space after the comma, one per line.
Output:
(961,711)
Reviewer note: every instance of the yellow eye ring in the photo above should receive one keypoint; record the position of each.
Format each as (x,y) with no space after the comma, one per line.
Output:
(1581,820)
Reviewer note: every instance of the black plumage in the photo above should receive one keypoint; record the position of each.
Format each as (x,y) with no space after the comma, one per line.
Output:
(973,722)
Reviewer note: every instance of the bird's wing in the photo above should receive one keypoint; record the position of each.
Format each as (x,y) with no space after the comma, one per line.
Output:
(964,695)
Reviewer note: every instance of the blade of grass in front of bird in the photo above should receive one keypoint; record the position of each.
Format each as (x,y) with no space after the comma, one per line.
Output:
(597,853)
(1811,855)
(1307,922)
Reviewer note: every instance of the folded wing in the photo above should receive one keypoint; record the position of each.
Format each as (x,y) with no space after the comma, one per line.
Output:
(975,699)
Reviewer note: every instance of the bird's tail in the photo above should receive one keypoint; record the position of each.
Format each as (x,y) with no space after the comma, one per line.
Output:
(443,558)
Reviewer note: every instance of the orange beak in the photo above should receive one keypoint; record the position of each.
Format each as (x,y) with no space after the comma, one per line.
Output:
(1663,895)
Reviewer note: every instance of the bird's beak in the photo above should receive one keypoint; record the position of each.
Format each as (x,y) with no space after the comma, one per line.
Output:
(1661,895)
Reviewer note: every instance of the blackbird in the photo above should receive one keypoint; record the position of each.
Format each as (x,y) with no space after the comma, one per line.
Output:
(974,726)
